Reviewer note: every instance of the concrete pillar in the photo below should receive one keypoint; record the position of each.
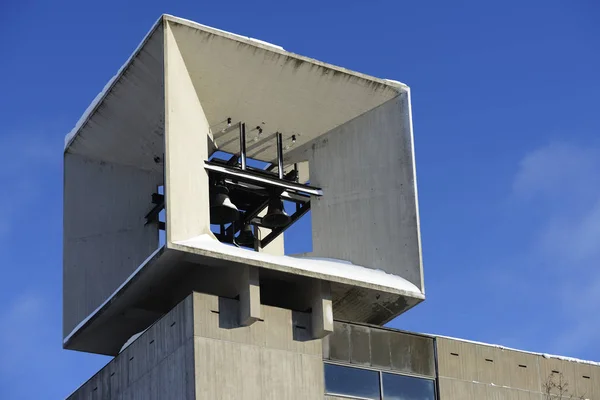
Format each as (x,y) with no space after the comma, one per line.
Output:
(249,296)
(322,310)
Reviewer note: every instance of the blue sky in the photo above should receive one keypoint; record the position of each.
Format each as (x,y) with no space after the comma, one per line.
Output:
(507,131)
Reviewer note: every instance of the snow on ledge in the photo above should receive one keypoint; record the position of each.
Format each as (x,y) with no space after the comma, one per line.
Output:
(109,299)
(397,83)
(206,27)
(545,355)
(326,266)
(132,339)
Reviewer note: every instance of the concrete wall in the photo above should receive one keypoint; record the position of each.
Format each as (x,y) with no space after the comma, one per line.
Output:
(105,236)
(158,365)
(187,134)
(110,172)
(476,371)
(199,351)
(368,214)
(271,359)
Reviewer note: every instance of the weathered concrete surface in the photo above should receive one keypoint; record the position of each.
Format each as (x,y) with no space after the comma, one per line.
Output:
(186,147)
(369,213)
(105,236)
(200,351)
(109,174)
(477,371)
(158,365)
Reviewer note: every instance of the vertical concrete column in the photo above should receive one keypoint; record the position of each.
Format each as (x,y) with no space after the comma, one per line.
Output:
(249,296)
(187,134)
(322,310)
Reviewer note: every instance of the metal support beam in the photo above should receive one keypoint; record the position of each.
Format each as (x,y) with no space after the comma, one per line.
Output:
(248,217)
(261,179)
(280,155)
(159,201)
(243,145)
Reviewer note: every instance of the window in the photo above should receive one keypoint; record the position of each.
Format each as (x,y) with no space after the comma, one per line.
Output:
(349,381)
(368,384)
(401,387)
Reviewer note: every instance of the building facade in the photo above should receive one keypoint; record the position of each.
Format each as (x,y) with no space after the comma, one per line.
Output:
(198,350)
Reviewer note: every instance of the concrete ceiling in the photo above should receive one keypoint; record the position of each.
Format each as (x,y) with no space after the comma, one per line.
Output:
(234,76)
(126,124)
(266,86)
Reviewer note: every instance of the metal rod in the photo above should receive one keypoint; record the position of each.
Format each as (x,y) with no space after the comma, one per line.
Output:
(243,145)
(296,170)
(256,178)
(280,155)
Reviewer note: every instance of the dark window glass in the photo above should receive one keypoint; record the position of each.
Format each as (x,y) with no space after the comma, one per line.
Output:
(362,383)
(400,387)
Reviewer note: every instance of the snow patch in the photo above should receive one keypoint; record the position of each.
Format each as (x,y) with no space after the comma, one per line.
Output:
(266,43)
(132,339)
(337,268)
(398,83)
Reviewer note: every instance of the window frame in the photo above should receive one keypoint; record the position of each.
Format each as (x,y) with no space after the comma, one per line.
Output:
(380,373)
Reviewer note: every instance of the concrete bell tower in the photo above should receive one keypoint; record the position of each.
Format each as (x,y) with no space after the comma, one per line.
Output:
(174,181)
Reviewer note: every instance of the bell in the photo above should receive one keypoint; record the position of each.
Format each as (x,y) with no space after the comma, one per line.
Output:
(246,237)
(222,210)
(276,216)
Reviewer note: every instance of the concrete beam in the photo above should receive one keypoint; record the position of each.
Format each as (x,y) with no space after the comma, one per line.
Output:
(322,310)
(249,296)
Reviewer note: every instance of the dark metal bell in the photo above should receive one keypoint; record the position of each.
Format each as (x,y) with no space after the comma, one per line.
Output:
(246,237)
(276,216)
(222,210)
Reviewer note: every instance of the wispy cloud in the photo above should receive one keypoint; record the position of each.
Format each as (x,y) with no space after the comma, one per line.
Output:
(562,182)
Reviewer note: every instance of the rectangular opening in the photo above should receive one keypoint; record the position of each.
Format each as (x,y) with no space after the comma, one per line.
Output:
(586,377)
(522,366)
(489,360)
(555,371)
(454,354)
(353,382)
(397,386)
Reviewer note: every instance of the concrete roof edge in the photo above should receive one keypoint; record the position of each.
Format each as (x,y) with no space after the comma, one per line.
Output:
(94,314)
(545,355)
(91,109)
(396,85)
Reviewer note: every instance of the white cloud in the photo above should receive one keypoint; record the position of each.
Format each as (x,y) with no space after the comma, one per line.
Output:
(561,181)
(558,171)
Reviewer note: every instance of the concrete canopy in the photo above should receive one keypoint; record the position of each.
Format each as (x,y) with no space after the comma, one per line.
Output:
(157,122)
